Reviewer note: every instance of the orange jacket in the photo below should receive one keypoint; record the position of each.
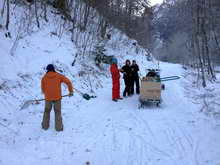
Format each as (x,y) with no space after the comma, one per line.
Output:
(51,85)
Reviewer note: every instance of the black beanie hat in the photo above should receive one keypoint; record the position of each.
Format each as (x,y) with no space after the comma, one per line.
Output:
(50,68)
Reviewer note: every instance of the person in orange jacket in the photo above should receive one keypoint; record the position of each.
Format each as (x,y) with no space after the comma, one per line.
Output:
(115,72)
(51,88)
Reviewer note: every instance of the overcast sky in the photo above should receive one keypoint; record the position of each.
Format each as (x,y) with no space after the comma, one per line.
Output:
(153,2)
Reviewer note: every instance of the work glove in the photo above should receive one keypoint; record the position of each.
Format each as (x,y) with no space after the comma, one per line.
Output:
(70,94)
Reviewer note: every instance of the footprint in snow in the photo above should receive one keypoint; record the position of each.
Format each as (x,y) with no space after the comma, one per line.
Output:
(88,150)
(87,163)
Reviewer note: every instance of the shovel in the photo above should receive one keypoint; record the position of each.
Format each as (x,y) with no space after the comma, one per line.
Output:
(84,95)
(31,102)
(169,78)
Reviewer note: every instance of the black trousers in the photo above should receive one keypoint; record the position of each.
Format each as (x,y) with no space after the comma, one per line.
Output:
(127,90)
(135,81)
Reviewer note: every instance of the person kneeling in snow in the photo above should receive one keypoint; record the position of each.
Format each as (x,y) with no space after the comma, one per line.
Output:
(115,80)
(51,88)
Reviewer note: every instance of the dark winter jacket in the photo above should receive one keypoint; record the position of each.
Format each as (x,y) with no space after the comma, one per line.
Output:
(134,70)
(126,70)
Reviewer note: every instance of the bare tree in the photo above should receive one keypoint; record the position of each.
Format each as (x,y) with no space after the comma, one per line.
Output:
(8,15)
(36,13)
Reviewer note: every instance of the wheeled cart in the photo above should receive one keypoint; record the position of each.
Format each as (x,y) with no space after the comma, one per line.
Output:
(150,91)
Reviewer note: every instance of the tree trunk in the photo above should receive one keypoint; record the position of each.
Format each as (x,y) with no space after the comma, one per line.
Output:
(8,15)
(3,9)
(86,15)
(196,33)
(200,61)
(44,3)
(36,15)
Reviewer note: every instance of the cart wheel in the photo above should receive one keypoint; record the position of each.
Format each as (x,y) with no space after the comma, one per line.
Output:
(158,103)
(163,87)
(140,106)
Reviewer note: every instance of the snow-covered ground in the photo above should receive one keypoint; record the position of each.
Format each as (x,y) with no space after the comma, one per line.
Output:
(98,131)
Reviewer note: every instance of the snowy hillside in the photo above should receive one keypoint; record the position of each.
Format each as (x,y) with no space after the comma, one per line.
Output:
(98,131)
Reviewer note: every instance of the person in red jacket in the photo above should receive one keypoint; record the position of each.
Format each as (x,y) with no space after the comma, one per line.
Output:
(115,72)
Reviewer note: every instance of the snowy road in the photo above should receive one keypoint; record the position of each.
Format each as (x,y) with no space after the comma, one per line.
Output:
(102,132)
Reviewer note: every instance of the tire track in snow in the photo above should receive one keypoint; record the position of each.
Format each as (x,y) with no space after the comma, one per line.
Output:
(100,137)
(139,118)
(178,139)
(137,138)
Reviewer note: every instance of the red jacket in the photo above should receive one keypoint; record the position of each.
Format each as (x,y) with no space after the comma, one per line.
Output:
(115,72)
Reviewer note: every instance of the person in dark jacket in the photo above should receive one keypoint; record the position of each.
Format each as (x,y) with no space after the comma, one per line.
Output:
(135,77)
(115,72)
(127,75)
